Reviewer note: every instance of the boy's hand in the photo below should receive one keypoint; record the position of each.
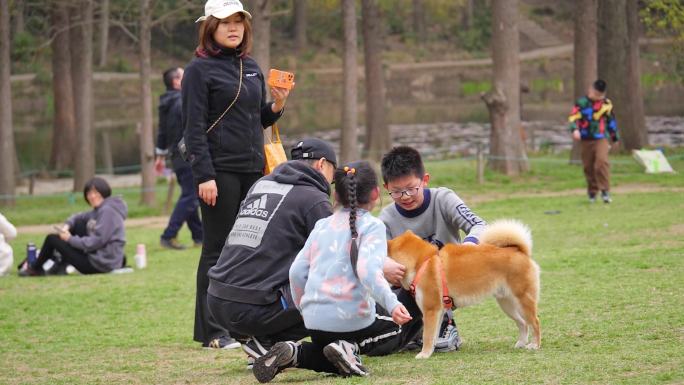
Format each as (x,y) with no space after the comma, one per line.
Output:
(576,135)
(393,271)
(400,315)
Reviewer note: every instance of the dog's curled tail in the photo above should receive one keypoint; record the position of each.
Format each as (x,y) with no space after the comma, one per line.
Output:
(508,233)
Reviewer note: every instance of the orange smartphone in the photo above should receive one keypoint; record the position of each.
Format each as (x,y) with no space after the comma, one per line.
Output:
(281,79)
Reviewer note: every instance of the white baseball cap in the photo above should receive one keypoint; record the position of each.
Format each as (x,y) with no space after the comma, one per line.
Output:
(221,9)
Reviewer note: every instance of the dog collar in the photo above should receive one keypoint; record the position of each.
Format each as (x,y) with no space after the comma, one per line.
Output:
(447,301)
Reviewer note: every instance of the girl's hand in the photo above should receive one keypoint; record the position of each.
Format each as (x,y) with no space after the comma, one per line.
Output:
(279,97)
(400,315)
(208,192)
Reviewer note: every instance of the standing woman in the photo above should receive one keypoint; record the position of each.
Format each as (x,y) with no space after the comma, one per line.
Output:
(225,110)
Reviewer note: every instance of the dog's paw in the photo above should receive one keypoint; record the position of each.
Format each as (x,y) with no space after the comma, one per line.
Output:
(423,355)
(532,346)
(520,344)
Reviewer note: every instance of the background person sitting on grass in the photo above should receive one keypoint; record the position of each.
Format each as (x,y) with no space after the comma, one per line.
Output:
(7,233)
(92,241)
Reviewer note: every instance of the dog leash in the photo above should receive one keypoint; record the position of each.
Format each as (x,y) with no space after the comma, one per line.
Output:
(447,301)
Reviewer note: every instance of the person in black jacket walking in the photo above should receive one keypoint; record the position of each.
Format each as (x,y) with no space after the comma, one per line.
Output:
(225,147)
(170,132)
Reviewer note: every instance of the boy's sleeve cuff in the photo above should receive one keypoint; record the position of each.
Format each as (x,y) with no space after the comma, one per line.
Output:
(471,240)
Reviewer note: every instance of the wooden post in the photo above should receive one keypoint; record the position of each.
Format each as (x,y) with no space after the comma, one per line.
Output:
(107,160)
(32,183)
(480,163)
(169,194)
(533,144)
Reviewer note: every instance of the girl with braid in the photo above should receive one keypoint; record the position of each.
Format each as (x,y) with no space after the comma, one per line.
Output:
(336,281)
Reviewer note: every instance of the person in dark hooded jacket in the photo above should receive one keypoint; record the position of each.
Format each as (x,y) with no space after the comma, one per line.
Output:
(249,291)
(169,134)
(92,241)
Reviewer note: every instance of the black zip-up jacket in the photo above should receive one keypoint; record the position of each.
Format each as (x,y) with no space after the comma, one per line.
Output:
(236,143)
(170,121)
(272,226)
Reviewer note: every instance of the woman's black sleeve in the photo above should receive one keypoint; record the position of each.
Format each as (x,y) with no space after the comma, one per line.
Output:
(195,96)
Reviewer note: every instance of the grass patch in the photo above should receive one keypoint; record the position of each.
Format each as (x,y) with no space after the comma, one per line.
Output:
(611,301)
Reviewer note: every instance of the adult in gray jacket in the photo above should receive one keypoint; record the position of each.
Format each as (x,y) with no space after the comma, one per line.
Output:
(91,241)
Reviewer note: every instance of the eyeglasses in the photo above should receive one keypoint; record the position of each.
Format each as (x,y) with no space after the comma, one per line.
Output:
(409,192)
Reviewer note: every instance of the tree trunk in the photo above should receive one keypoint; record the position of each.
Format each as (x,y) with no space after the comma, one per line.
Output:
(63,124)
(300,24)
(585,55)
(19,20)
(146,145)
(261,25)
(639,137)
(7,152)
(349,136)
(469,14)
(419,19)
(616,67)
(81,47)
(506,148)
(104,33)
(378,138)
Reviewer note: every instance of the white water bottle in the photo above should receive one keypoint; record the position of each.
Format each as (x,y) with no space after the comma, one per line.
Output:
(140,256)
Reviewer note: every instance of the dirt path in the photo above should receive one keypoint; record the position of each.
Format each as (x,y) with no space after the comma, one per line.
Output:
(160,222)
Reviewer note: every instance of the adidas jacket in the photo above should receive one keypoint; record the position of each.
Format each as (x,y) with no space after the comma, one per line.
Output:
(272,226)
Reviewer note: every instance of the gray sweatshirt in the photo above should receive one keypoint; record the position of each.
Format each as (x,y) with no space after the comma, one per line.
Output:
(440,218)
(106,237)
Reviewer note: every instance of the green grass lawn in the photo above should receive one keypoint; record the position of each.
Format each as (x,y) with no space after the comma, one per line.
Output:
(611,309)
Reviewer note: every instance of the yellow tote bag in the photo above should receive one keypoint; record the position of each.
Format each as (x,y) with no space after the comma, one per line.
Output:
(274,153)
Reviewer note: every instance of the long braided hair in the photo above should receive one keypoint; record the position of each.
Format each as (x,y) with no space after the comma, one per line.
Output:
(354,184)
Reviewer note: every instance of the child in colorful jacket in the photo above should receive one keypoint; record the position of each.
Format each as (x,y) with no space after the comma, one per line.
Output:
(592,122)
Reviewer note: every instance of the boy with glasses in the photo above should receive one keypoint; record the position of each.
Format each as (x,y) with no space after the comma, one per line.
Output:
(437,215)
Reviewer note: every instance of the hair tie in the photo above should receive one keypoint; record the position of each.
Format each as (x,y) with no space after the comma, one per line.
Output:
(349,170)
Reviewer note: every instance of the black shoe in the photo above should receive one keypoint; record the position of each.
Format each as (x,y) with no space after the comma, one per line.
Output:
(255,348)
(345,356)
(223,342)
(283,355)
(592,198)
(171,244)
(27,271)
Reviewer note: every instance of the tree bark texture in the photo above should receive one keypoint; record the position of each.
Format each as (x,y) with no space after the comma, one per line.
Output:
(7,154)
(506,147)
(349,135)
(585,55)
(378,138)
(63,121)
(146,131)
(81,49)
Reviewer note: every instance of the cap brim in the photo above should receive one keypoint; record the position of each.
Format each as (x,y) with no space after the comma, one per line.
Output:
(220,15)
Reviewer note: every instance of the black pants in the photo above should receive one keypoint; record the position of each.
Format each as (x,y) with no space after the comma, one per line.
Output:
(382,337)
(70,255)
(275,322)
(217,221)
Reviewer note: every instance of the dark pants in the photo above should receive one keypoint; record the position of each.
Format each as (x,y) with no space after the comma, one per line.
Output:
(217,221)
(186,207)
(596,166)
(282,322)
(70,255)
(382,337)
(275,322)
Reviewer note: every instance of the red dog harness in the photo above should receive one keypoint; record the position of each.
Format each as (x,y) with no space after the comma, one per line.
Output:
(447,301)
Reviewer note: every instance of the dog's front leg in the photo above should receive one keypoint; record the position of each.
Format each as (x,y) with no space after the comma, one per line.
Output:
(432,318)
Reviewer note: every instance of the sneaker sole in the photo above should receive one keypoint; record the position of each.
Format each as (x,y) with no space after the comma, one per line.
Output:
(267,366)
(337,357)
(230,346)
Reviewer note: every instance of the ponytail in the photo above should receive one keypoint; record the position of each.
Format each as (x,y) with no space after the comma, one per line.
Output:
(351,191)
